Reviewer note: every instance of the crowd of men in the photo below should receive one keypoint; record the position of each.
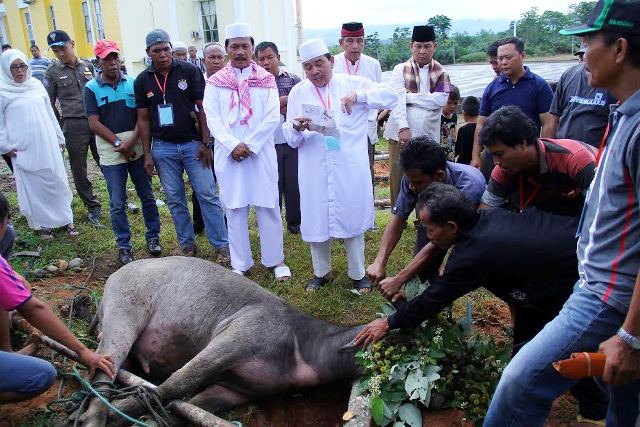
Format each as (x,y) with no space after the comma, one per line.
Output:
(499,201)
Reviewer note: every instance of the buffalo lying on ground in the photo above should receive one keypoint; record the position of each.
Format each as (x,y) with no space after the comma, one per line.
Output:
(212,337)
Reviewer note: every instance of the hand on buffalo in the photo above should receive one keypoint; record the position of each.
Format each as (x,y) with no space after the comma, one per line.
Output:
(623,363)
(98,361)
(371,333)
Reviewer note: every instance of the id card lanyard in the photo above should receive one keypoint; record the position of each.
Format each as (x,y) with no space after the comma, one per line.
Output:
(355,73)
(326,105)
(165,111)
(163,88)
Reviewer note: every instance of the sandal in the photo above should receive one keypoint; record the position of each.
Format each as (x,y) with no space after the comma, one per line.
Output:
(316,283)
(72,230)
(363,285)
(46,234)
(282,273)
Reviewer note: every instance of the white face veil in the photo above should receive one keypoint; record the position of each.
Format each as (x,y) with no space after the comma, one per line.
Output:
(6,78)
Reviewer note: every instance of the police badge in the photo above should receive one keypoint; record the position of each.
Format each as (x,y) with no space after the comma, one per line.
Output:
(182,84)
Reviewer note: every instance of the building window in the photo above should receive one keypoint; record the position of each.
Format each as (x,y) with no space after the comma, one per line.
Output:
(52,12)
(98,9)
(209,21)
(87,21)
(27,18)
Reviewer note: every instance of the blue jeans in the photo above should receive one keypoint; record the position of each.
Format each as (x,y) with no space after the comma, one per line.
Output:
(171,161)
(116,177)
(530,384)
(25,374)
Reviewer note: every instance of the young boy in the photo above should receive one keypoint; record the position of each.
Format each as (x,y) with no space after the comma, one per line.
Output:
(464,141)
(448,123)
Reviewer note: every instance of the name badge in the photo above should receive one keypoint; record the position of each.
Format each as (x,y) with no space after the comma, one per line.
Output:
(331,143)
(165,115)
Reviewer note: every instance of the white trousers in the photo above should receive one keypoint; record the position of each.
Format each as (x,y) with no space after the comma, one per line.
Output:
(269,229)
(321,257)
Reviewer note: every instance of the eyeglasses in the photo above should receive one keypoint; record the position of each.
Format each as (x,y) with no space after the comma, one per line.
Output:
(19,67)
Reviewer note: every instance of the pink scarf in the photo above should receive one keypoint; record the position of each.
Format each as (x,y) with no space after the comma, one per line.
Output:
(226,78)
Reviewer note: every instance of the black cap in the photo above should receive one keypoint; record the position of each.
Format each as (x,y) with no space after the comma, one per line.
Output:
(57,38)
(616,16)
(423,33)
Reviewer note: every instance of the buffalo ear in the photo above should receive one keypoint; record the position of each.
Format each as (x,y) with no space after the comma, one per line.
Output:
(348,348)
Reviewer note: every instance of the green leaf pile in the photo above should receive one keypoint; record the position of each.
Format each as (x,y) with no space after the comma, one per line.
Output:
(436,365)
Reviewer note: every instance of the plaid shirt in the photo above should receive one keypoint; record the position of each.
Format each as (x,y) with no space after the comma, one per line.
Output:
(285,81)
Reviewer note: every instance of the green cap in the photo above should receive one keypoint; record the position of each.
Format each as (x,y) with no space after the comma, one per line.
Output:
(615,16)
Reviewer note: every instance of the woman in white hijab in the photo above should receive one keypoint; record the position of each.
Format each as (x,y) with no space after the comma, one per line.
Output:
(30,133)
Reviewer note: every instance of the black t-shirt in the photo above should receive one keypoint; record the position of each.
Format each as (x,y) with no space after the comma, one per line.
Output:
(464,143)
(526,259)
(184,86)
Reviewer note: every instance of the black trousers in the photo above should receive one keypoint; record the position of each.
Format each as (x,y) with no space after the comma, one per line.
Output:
(288,183)
(7,158)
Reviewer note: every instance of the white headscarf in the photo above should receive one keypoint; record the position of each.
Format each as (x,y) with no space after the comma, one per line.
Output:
(6,78)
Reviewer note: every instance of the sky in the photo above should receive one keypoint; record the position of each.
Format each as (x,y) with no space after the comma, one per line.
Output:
(332,13)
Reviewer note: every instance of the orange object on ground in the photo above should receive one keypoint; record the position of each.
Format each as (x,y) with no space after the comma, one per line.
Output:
(581,365)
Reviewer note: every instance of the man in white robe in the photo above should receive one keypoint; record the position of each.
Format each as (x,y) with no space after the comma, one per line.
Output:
(422,85)
(243,110)
(336,197)
(354,62)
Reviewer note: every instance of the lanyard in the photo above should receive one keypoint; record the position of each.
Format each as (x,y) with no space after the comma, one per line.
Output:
(326,105)
(602,144)
(355,73)
(531,197)
(162,88)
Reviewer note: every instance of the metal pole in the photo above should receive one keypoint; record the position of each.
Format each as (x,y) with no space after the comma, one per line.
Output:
(515,24)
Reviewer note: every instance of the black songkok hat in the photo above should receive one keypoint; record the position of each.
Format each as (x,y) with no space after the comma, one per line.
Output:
(352,29)
(423,33)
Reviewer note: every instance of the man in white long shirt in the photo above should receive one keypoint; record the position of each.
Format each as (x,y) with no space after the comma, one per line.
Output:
(336,197)
(422,85)
(355,63)
(243,111)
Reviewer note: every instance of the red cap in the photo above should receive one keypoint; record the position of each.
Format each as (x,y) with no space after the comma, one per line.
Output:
(105,47)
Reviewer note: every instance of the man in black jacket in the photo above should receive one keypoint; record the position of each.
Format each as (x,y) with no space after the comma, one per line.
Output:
(526,259)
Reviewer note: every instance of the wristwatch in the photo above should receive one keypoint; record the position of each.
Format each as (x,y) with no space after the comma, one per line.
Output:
(631,340)
(117,143)
(207,144)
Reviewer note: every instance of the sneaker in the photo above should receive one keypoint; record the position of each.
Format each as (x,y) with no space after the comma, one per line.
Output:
(190,251)
(94,218)
(153,246)
(125,256)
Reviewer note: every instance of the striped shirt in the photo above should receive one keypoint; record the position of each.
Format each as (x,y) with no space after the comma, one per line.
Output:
(285,81)
(39,66)
(13,293)
(609,232)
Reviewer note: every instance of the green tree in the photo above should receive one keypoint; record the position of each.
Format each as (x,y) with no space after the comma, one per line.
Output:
(441,25)
(397,50)
(580,12)
(373,45)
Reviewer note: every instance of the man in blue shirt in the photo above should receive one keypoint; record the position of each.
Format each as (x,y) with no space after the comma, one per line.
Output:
(516,85)
(110,106)
(423,161)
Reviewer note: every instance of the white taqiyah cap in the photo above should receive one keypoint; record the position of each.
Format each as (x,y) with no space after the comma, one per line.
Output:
(312,49)
(237,29)
(178,45)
